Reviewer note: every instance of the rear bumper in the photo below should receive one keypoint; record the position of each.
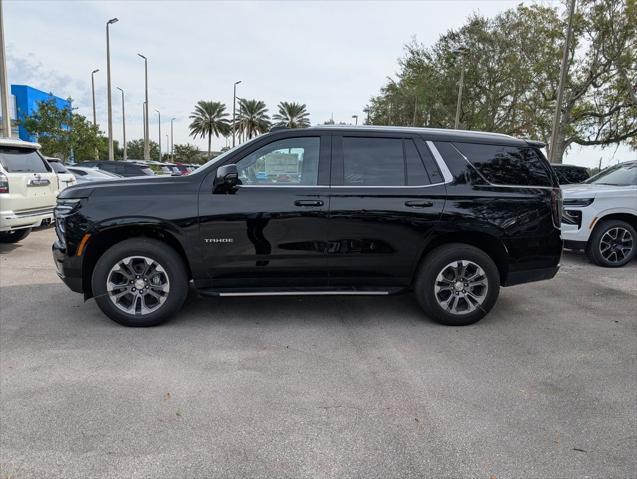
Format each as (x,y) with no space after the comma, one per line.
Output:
(530,275)
(68,268)
(10,220)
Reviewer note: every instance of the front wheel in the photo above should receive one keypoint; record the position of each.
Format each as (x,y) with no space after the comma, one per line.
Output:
(612,244)
(14,236)
(140,282)
(457,284)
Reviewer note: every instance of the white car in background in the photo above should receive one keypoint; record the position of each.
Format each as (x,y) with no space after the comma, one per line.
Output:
(28,189)
(600,215)
(86,175)
(65,177)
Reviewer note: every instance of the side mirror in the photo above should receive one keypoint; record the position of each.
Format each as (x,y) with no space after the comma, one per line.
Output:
(227,178)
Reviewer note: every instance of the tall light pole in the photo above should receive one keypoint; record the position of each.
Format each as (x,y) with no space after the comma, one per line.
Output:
(356,119)
(234,116)
(4,82)
(167,143)
(111,153)
(172,145)
(159,132)
(123,125)
(560,89)
(146,130)
(460,52)
(93,90)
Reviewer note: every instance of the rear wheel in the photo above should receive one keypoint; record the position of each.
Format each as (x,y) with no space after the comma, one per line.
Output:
(612,244)
(140,282)
(14,236)
(457,284)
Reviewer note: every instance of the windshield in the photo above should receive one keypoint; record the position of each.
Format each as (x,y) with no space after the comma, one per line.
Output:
(22,160)
(147,171)
(624,174)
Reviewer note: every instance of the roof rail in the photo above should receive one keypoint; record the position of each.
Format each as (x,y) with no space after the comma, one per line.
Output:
(278,128)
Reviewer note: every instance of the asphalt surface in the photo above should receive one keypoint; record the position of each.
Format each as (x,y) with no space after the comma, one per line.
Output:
(334,387)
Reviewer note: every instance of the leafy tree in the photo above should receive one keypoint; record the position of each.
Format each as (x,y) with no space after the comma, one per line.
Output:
(512,72)
(208,119)
(252,118)
(61,132)
(187,153)
(136,149)
(292,115)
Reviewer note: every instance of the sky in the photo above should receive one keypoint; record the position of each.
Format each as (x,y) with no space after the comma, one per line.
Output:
(332,56)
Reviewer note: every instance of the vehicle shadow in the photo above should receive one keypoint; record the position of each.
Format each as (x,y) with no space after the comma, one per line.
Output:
(6,248)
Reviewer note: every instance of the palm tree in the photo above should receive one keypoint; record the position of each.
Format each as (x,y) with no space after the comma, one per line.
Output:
(292,115)
(252,118)
(209,118)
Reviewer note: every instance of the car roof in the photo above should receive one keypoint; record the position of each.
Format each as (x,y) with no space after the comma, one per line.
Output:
(441,134)
(16,142)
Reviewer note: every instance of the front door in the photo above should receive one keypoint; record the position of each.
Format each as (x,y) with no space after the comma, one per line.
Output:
(271,230)
(387,193)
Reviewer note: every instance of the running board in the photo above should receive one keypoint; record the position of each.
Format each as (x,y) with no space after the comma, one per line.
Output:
(299,292)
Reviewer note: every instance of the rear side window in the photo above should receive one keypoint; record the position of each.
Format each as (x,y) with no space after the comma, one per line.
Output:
(21,160)
(58,167)
(382,162)
(506,165)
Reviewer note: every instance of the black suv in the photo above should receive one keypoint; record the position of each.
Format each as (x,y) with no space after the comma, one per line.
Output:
(450,215)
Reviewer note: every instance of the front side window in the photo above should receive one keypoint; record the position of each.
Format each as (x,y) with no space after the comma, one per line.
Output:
(506,165)
(292,161)
(22,160)
(619,175)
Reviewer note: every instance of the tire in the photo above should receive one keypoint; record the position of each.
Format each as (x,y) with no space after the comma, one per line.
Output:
(154,268)
(14,236)
(612,244)
(437,271)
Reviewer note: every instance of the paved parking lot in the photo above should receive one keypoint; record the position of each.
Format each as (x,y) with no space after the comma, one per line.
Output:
(546,386)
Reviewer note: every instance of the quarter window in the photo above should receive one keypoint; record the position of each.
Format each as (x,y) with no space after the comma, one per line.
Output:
(293,161)
(506,165)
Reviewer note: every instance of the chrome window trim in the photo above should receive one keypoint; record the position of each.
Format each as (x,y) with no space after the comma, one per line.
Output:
(446,173)
(275,185)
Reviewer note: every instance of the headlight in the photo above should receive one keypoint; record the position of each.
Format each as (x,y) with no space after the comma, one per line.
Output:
(65,207)
(581,202)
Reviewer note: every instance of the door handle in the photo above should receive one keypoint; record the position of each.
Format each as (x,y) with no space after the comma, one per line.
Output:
(308,203)
(419,204)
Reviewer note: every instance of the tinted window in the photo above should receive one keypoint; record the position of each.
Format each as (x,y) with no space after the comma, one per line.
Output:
(566,174)
(21,160)
(416,173)
(435,175)
(461,170)
(293,161)
(77,172)
(373,162)
(58,167)
(506,165)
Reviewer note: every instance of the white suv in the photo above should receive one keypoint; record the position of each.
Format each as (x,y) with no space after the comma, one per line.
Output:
(600,215)
(28,189)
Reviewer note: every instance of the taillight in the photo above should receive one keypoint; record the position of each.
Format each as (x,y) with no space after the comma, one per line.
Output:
(4,183)
(556,206)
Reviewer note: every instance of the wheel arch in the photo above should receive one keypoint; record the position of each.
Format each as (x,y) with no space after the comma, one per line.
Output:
(630,218)
(109,235)
(490,244)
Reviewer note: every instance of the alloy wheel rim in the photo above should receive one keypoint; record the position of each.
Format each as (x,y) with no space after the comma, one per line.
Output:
(137,285)
(461,287)
(616,244)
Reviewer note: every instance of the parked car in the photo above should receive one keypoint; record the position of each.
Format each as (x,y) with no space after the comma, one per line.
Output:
(28,188)
(568,174)
(65,177)
(600,216)
(450,215)
(86,175)
(121,168)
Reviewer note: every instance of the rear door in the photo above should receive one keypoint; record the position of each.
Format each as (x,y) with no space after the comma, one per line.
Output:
(32,182)
(387,194)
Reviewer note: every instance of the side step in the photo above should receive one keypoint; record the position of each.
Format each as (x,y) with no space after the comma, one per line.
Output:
(299,291)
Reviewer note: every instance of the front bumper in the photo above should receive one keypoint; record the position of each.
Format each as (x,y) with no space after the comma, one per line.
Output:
(10,220)
(68,268)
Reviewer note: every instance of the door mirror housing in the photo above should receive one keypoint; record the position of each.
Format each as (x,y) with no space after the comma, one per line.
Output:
(227,178)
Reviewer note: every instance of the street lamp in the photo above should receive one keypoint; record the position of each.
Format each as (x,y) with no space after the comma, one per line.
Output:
(146,135)
(4,83)
(123,125)
(234,116)
(172,145)
(93,89)
(355,118)
(111,154)
(159,132)
(460,52)
(167,143)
